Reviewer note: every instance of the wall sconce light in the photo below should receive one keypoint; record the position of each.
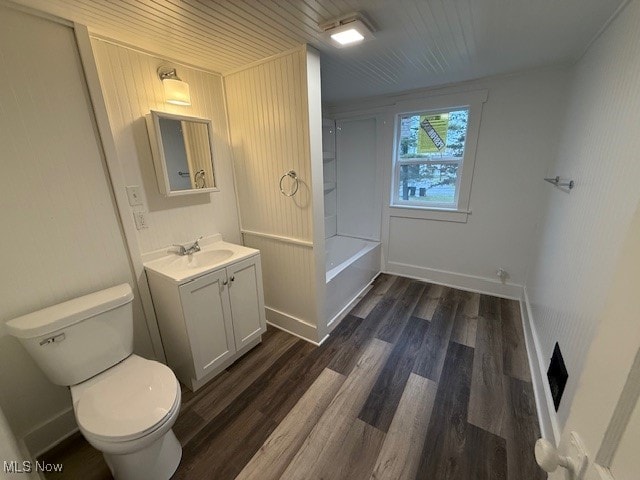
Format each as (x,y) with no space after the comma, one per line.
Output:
(175,90)
(347,30)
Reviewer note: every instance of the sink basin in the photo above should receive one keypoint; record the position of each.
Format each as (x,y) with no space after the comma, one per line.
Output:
(202,259)
(182,268)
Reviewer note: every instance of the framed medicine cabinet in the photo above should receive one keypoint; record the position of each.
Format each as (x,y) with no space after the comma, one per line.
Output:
(182,149)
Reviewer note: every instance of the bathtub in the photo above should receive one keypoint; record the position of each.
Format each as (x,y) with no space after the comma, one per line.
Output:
(351,264)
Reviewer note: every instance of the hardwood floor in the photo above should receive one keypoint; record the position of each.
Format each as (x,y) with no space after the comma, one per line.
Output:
(419,381)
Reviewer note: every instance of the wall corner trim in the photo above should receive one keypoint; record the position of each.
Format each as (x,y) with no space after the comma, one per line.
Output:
(117,183)
(299,48)
(547,417)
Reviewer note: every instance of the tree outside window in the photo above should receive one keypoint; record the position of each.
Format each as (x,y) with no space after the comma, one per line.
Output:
(430,151)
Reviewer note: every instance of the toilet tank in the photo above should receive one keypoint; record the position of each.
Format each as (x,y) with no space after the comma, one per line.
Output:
(75,340)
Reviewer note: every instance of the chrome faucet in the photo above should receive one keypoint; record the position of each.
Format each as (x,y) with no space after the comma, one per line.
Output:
(195,247)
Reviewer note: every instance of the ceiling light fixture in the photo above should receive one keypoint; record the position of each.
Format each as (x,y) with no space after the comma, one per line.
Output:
(348,30)
(175,90)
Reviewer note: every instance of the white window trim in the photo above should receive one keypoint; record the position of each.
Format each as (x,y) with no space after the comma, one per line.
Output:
(473,101)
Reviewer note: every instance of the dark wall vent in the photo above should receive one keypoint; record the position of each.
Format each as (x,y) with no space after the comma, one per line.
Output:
(557,375)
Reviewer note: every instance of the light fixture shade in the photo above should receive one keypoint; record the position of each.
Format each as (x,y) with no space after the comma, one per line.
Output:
(176,91)
(345,32)
(347,36)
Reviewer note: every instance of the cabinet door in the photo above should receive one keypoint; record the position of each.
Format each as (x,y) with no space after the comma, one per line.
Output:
(247,300)
(205,304)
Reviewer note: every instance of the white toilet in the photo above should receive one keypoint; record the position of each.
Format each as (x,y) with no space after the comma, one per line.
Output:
(125,405)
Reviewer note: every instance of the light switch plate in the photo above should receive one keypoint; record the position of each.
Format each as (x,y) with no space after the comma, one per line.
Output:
(134,194)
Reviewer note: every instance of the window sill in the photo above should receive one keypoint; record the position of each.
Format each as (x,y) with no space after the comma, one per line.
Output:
(426,213)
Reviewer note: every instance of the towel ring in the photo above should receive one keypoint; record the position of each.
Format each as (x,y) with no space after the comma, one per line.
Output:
(292,174)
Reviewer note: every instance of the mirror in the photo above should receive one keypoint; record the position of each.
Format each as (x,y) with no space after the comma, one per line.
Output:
(182,153)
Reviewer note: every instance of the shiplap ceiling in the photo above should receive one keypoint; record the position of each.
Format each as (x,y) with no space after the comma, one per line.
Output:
(419,43)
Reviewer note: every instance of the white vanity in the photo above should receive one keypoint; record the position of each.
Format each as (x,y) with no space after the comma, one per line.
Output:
(209,306)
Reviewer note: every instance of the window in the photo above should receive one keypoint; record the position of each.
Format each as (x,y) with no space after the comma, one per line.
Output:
(434,152)
(429,156)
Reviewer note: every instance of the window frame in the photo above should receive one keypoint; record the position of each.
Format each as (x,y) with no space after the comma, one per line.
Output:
(398,163)
(471,101)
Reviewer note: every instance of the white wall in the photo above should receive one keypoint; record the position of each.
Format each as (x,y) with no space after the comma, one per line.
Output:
(582,233)
(517,139)
(270,126)
(61,237)
(607,364)
(626,462)
(131,88)
(359,212)
(10,450)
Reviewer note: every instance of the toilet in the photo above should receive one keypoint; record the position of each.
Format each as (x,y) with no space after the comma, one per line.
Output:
(125,405)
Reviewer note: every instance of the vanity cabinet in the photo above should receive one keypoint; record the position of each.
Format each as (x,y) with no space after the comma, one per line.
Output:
(208,322)
(246,299)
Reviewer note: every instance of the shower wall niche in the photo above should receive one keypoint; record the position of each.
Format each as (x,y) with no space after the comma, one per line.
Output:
(330,177)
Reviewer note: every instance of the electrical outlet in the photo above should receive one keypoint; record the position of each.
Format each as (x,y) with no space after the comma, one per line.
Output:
(502,275)
(140,219)
(134,194)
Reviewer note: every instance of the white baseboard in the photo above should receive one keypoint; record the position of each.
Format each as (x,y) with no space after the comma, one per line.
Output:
(547,417)
(293,325)
(51,432)
(456,280)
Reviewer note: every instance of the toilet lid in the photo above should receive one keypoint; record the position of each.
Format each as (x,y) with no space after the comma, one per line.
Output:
(130,399)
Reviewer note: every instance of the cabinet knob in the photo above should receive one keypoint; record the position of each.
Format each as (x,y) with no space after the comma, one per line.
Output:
(233,278)
(225,282)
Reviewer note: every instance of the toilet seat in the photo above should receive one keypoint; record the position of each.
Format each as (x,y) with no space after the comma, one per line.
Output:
(128,401)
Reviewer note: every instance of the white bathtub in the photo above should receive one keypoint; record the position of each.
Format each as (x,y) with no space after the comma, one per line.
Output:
(351,263)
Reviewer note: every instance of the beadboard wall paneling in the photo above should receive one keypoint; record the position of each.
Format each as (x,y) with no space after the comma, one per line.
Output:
(60,233)
(269,116)
(131,89)
(198,148)
(417,43)
(582,232)
(287,273)
(270,136)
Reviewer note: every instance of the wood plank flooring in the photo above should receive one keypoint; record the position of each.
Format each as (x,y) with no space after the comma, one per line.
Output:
(419,381)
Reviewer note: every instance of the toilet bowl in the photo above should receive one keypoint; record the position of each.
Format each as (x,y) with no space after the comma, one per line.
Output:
(125,405)
(127,413)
